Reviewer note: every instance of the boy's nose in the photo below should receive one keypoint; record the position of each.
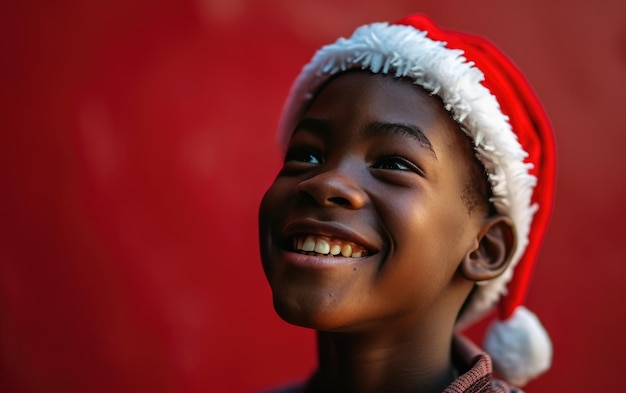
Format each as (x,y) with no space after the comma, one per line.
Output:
(333,188)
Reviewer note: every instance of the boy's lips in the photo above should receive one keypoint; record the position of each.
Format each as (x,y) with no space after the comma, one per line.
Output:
(326,239)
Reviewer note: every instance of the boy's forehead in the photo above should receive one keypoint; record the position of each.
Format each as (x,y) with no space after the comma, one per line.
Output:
(381,99)
(365,78)
(381,95)
(380,105)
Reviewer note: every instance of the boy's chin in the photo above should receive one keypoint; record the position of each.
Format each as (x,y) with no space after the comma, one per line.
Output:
(317,317)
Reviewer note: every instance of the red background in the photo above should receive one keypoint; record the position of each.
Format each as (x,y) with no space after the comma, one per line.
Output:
(136,140)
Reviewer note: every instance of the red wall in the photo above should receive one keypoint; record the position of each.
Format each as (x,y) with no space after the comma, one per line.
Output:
(136,139)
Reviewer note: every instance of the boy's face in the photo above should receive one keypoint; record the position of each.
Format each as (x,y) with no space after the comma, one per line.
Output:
(375,163)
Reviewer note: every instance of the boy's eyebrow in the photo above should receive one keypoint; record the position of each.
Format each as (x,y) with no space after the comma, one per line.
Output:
(377,128)
(314,124)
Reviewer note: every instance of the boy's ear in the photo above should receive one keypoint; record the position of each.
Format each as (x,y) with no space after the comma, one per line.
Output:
(496,243)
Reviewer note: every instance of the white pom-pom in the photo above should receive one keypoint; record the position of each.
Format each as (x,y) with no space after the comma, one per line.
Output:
(519,347)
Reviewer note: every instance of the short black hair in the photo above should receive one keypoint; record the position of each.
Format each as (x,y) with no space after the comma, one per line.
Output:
(476,192)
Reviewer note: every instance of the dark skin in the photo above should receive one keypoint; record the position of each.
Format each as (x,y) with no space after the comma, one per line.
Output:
(378,164)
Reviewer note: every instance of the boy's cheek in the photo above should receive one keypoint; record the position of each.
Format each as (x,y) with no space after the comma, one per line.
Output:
(272,206)
(267,206)
(277,195)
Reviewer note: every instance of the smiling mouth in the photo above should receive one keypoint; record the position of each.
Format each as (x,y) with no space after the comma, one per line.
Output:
(326,246)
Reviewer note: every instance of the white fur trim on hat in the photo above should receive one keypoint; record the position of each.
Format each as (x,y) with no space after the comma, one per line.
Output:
(403,51)
(519,347)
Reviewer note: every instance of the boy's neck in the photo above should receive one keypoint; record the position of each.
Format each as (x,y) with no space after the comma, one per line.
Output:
(384,361)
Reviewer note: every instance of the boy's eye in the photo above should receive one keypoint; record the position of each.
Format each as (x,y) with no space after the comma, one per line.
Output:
(396,163)
(303,155)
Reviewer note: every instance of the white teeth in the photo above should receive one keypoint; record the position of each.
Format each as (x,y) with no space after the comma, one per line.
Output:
(346,250)
(322,247)
(313,245)
(309,244)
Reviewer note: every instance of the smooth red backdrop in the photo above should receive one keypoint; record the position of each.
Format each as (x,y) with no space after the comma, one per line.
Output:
(137,137)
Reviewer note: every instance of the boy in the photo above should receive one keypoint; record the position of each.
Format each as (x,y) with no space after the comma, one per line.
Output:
(418,173)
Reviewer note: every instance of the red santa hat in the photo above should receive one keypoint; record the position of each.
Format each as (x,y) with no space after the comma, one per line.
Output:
(494,104)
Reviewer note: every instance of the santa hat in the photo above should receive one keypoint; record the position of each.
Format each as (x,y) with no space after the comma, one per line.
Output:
(494,104)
